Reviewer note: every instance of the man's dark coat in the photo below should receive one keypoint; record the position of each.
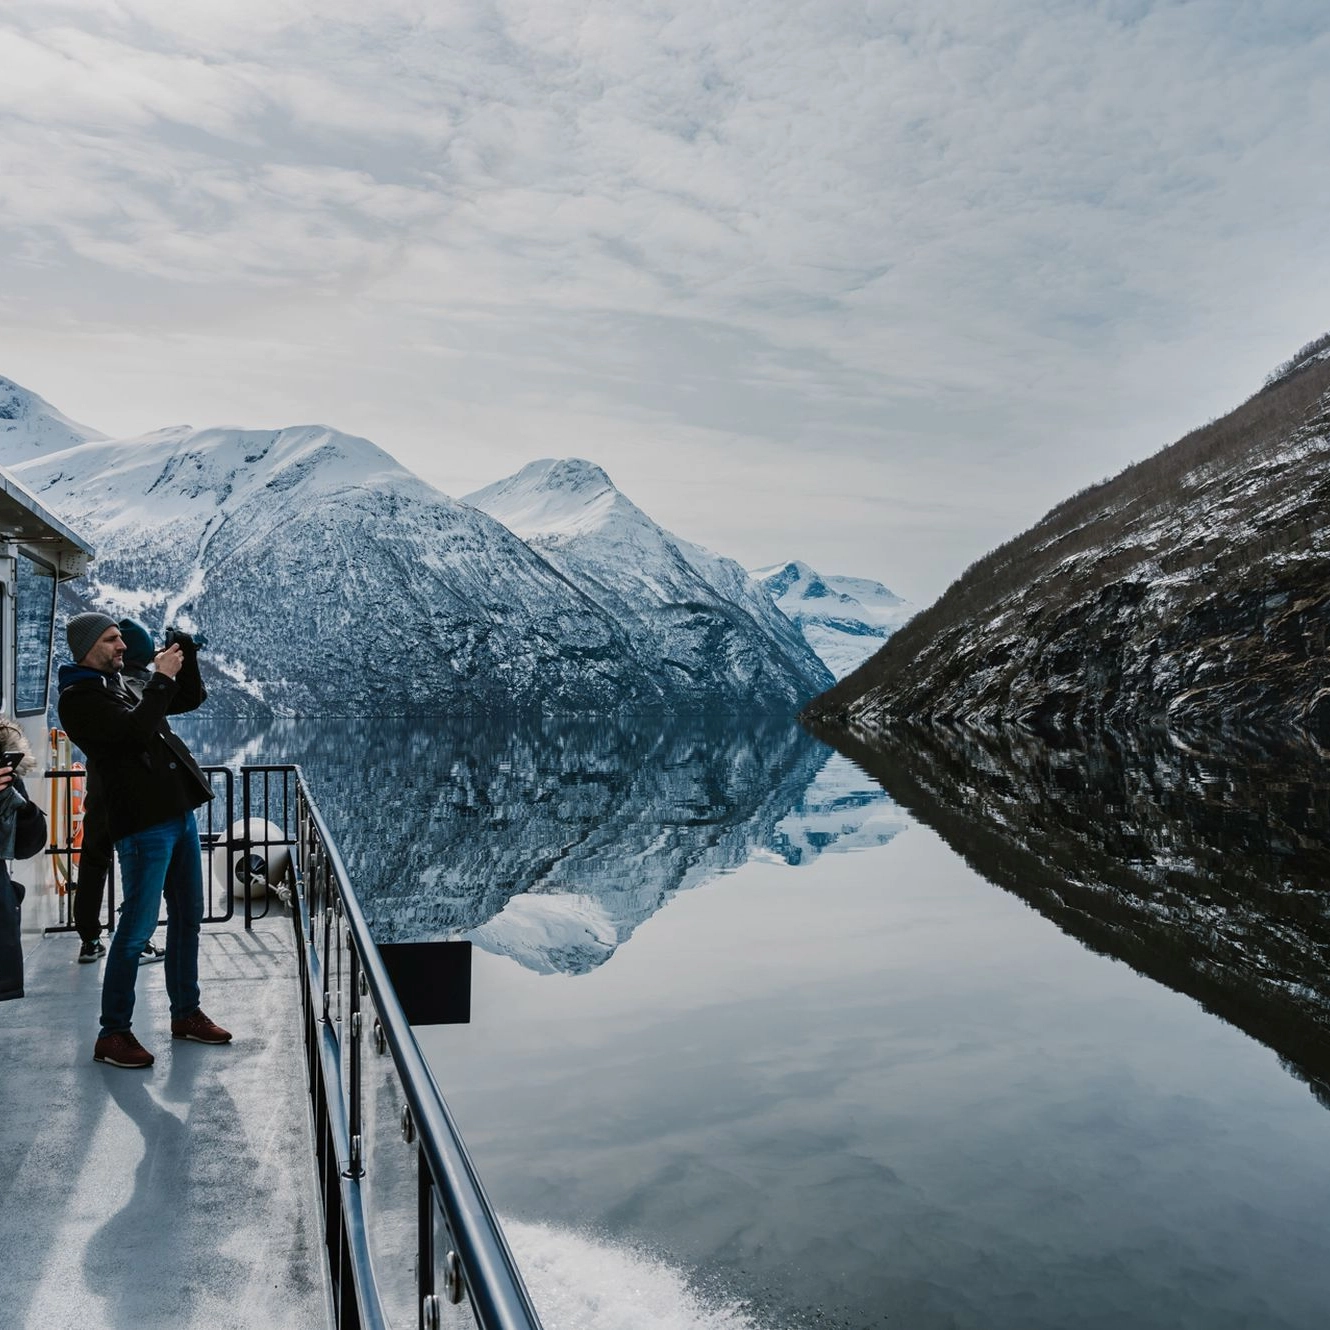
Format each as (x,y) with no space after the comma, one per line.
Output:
(142,772)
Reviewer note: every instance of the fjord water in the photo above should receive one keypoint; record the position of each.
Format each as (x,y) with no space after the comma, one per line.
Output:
(761,1040)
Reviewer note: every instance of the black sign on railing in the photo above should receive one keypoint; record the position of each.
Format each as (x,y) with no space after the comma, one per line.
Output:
(432,980)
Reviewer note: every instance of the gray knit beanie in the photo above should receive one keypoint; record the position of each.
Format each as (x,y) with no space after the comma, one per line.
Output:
(83,630)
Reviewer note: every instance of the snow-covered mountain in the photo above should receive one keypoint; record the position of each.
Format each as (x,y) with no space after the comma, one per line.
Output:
(330,580)
(713,633)
(30,426)
(844,619)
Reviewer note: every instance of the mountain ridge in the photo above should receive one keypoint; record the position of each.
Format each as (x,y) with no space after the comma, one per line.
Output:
(692,607)
(1188,591)
(329,579)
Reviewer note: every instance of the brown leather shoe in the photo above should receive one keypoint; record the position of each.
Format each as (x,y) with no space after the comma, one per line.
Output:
(121,1049)
(200,1029)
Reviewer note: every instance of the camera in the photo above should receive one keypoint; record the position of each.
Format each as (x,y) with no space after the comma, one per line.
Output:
(189,643)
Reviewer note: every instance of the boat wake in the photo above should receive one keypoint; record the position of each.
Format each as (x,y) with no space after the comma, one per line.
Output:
(580,1282)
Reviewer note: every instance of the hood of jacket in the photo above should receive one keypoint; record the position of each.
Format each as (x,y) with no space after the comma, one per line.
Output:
(71,674)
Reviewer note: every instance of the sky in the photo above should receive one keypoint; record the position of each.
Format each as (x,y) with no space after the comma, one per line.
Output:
(873,285)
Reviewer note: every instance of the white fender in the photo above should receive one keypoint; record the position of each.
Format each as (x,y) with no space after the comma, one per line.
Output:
(252,857)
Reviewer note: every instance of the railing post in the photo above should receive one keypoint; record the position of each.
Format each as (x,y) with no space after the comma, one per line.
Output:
(326,966)
(339,948)
(245,802)
(355,1167)
(425,1300)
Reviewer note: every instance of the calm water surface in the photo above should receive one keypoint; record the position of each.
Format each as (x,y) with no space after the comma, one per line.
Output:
(754,1044)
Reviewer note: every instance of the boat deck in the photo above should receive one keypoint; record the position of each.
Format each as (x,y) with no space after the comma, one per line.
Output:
(183,1196)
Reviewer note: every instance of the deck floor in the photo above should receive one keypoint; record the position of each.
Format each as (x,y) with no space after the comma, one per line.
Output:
(183,1196)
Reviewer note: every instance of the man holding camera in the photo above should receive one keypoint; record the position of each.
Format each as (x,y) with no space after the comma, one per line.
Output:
(95,849)
(149,785)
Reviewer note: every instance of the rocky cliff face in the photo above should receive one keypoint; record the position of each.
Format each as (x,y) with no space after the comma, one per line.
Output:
(1193,589)
(1205,871)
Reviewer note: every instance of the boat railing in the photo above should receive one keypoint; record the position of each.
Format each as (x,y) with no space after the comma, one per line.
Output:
(227,847)
(412,1238)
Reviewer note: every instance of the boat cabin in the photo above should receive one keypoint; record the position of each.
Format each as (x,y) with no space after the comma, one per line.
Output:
(37,553)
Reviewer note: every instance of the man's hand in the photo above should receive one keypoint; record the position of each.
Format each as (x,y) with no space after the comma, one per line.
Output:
(169,661)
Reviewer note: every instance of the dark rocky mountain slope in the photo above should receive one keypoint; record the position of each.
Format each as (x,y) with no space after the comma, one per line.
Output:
(1193,589)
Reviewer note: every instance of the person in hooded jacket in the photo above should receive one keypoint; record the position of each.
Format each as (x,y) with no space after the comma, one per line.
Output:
(95,848)
(22,834)
(150,786)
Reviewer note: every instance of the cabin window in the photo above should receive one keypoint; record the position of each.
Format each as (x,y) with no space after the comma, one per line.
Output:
(34,616)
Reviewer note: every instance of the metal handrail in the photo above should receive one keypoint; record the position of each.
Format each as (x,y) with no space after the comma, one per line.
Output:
(479,1264)
(62,850)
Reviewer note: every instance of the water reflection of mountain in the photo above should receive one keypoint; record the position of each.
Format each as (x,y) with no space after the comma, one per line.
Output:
(841,809)
(552,841)
(1207,873)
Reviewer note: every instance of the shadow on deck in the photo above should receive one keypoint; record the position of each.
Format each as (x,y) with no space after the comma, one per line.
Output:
(183,1196)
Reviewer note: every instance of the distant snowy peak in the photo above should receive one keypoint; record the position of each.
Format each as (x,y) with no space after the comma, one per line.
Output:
(31,427)
(781,577)
(799,589)
(844,619)
(556,499)
(570,510)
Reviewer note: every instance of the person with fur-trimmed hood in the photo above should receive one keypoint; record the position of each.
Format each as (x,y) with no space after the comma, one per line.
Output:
(22,834)
(151,785)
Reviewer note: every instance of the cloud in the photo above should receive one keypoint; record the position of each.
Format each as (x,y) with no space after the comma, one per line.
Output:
(1036,238)
(68,77)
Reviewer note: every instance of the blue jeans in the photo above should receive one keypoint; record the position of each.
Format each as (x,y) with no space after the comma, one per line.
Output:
(162,861)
